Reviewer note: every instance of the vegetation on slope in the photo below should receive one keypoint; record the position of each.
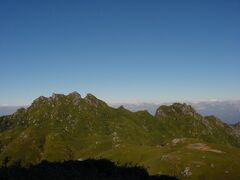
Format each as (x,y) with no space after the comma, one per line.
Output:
(70,127)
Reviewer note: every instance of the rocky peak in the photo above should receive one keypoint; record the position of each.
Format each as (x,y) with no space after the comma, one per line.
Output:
(75,94)
(75,97)
(91,99)
(176,108)
(56,96)
(39,100)
(90,96)
(183,108)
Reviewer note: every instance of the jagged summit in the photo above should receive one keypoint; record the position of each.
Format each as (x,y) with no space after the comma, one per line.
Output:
(76,97)
(176,108)
(92,100)
(39,99)
(75,94)
(63,127)
(56,97)
(90,96)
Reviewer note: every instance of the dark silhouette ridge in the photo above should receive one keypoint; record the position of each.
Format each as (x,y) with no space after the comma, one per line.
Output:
(77,170)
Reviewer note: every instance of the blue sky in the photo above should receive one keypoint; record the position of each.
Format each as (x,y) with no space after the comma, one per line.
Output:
(121,51)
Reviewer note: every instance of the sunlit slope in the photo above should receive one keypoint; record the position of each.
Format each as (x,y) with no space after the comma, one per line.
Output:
(176,141)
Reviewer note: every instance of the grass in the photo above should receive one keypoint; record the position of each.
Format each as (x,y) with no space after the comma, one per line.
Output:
(63,128)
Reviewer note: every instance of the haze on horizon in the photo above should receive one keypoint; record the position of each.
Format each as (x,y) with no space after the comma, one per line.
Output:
(125,51)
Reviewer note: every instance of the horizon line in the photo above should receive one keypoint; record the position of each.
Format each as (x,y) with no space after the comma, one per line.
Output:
(141,102)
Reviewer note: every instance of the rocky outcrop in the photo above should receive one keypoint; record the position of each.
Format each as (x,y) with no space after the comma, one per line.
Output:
(176,109)
(76,97)
(92,100)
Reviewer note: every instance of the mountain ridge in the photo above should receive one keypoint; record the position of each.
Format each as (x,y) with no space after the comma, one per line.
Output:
(69,127)
(229,111)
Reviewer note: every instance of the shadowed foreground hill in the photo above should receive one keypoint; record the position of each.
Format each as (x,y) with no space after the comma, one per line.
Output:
(73,170)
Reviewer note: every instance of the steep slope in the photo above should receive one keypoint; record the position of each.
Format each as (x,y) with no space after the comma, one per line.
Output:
(61,127)
(69,127)
(237,125)
(183,121)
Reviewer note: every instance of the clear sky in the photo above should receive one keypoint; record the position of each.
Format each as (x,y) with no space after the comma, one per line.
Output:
(120,51)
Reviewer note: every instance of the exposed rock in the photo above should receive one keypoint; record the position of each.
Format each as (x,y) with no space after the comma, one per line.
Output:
(176,108)
(177,140)
(39,99)
(186,172)
(164,157)
(56,97)
(91,99)
(115,139)
(160,112)
(76,97)
(212,165)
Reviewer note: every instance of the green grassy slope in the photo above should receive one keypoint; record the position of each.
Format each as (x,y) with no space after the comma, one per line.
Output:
(177,138)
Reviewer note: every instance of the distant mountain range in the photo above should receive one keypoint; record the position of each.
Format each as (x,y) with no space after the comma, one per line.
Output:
(175,141)
(228,111)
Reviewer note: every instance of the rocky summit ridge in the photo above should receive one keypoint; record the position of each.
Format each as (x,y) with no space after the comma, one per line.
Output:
(71,127)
